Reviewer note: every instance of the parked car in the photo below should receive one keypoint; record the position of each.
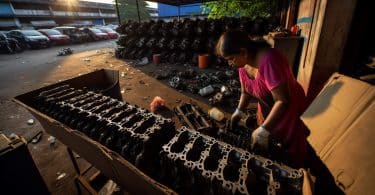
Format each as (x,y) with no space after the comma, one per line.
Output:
(75,35)
(96,34)
(111,33)
(29,38)
(55,36)
(112,26)
(8,45)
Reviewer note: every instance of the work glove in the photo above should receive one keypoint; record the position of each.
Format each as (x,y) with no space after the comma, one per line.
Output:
(236,117)
(260,139)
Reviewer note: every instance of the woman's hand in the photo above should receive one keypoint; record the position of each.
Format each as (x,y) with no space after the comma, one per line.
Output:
(236,116)
(260,139)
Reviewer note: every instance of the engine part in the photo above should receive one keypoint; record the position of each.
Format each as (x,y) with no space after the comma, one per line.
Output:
(185,160)
(192,116)
(184,38)
(193,163)
(133,132)
(176,82)
(218,98)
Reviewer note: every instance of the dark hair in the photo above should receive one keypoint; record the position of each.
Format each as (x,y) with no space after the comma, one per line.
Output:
(231,42)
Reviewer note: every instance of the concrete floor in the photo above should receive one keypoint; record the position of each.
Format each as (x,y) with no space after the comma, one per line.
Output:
(27,71)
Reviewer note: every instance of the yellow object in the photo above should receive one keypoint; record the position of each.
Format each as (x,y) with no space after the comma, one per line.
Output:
(216,114)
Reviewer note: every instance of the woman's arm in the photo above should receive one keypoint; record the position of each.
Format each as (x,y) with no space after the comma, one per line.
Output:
(244,99)
(281,98)
(237,115)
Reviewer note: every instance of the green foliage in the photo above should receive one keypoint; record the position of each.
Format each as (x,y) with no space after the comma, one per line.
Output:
(128,10)
(240,8)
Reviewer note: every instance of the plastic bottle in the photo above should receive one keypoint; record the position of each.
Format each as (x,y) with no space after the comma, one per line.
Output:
(216,114)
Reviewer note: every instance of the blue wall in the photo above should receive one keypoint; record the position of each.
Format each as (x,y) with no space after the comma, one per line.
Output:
(5,9)
(168,10)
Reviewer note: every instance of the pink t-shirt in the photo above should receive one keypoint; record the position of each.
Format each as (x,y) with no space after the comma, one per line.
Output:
(273,71)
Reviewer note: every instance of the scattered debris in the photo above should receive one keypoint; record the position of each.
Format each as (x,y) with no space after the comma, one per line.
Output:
(122,74)
(128,88)
(206,90)
(145,98)
(122,91)
(30,121)
(60,175)
(175,82)
(37,137)
(51,140)
(178,100)
(234,83)
(163,74)
(65,52)
(225,91)
(216,99)
(141,82)
(86,59)
(157,103)
(143,61)
(229,73)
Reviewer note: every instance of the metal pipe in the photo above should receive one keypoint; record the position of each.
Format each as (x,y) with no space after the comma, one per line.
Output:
(118,13)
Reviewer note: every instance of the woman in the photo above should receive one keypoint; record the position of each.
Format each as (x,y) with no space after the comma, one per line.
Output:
(265,74)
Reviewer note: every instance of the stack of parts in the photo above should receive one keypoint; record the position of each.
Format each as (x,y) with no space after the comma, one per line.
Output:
(193,163)
(181,41)
(133,132)
(183,159)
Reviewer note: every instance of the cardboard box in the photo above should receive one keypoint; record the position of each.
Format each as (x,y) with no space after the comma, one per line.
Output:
(341,120)
(108,162)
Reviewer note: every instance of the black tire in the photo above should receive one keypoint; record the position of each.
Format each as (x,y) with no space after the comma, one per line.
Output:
(17,48)
(10,49)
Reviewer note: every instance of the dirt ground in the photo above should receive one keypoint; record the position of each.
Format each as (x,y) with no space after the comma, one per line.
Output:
(136,87)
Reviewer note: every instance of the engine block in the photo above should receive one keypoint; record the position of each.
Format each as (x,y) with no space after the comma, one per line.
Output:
(183,159)
(133,132)
(193,163)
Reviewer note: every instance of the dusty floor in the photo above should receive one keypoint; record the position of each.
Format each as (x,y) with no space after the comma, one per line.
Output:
(52,160)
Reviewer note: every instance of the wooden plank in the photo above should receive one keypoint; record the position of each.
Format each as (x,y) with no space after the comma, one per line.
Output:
(86,185)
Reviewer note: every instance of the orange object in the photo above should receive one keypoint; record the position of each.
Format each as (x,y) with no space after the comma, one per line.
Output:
(294,30)
(157,103)
(203,61)
(156,58)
